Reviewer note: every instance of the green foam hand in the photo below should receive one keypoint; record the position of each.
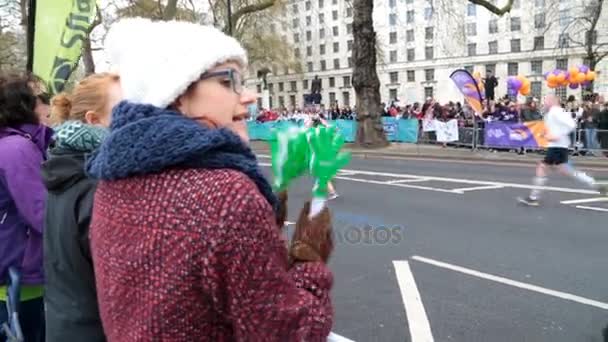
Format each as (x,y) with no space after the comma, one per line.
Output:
(325,157)
(289,153)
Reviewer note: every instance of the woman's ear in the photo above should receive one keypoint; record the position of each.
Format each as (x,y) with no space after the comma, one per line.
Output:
(92,118)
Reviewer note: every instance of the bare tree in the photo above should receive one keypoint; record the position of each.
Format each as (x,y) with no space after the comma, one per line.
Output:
(87,49)
(370,132)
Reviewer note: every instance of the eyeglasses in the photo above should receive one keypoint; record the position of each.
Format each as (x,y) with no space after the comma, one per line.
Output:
(230,78)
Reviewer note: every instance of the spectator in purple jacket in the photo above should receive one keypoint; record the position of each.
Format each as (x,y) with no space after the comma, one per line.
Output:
(23,144)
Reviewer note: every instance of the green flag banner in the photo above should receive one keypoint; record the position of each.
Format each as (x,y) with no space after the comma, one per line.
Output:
(59,29)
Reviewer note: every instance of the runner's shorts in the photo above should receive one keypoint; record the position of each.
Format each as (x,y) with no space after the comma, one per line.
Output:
(556,156)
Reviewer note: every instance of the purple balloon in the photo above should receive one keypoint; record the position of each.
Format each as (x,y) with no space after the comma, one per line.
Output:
(557,72)
(586,83)
(516,84)
(573,86)
(567,74)
(583,69)
(546,74)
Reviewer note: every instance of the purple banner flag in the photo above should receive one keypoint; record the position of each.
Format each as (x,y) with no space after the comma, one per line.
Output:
(514,134)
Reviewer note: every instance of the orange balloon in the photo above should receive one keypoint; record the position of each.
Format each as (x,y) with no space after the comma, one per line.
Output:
(551,85)
(590,76)
(525,91)
(561,78)
(580,78)
(552,78)
(573,71)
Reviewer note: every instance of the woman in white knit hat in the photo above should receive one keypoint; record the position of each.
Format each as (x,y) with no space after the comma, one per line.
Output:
(185,233)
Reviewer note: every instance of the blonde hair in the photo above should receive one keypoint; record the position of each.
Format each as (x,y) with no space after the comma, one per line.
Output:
(90,94)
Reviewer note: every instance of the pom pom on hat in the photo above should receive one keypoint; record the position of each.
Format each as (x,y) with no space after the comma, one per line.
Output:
(158,60)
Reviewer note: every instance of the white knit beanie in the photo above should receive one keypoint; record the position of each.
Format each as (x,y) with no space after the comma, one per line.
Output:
(158,60)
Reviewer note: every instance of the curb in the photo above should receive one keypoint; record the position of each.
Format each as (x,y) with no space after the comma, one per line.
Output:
(470,158)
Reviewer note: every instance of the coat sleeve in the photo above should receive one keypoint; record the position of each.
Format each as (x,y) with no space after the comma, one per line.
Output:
(265,300)
(84,210)
(24,182)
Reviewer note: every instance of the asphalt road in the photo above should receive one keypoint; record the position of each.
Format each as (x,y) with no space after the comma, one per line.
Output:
(484,267)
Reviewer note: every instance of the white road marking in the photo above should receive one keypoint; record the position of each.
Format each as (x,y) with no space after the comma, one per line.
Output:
(484,187)
(586,200)
(420,329)
(399,185)
(592,208)
(463,181)
(502,280)
(414,180)
(337,338)
(287,223)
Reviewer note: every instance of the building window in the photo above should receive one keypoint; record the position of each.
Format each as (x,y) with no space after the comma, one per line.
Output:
(308,21)
(320,3)
(409,2)
(305,84)
(536,89)
(332,98)
(296,38)
(281,87)
(539,20)
(349,28)
(346,81)
(309,51)
(493,26)
(516,4)
(428,13)
(349,12)
(335,31)
(321,18)
(536,67)
(512,69)
(428,33)
(410,16)
(411,55)
(295,23)
(515,24)
(322,49)
(392,38)
(539,3)
(515,45)
(271,88)
(562,93)
(491,68)
(281,102)
(346,99)
(308,35)
(429,75)
(259,88)
(332,82)
(471,10)
(561,63)
(296,52)
(564,18)
(563,40)
(409,36)
(428,52)
(392,94)
(539,43)
(472,49)
(392,19)
(294,9)
(350,62)
(349,45)
(392,3)
(411,76)
(309,67)
(334,15)
(334,2)
(293,85)
(336,47)
(493,47)
(292,101)
(394,77)
(323,66)
(321,33)
(472,29)
(469,68)
(308,6)
(428,92)
(591,38)
(393,56)
(337,63)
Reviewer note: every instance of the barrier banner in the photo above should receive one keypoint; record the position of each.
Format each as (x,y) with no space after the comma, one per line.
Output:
(390,128)
(514,134)
(346,127)
(446,131)
(408,130)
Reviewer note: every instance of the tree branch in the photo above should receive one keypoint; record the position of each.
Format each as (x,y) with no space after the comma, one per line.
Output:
(492,8)
(254,8)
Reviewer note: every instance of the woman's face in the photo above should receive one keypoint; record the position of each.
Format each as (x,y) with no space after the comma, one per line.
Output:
(220,100)
(114,97)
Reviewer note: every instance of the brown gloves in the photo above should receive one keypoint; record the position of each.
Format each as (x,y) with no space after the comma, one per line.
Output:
(312,240)
(282,212)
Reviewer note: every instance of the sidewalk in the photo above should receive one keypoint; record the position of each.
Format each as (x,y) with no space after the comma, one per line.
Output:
(434,152)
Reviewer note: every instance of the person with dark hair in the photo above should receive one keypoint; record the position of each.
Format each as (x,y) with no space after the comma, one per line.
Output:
(23,145)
